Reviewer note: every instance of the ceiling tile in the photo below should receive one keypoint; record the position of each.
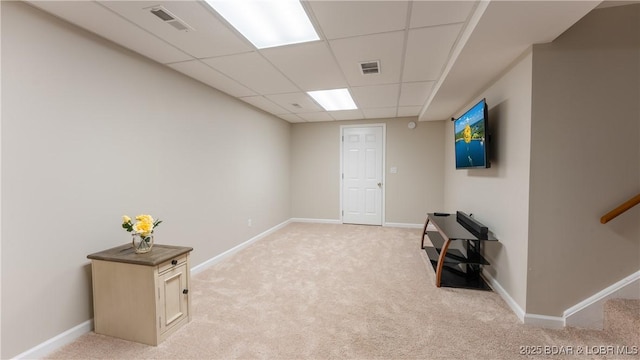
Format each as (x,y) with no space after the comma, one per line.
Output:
(211,36)
(287,101)
(430,13)
(339,19)
(104,22)
(311,65)
(379,113)
(316,116)
(387,48)
(254,72)
(413,40)
(347,114)
(376,96)
(427,51)
(409,110)
(265,104)
(211,77)
(292,118)
(415,94)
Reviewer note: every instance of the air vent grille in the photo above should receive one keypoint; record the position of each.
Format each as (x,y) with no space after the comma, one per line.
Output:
(162,14)
(166,16)
(370,67)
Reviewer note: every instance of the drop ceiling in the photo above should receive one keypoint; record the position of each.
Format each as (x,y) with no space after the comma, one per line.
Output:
(434,56)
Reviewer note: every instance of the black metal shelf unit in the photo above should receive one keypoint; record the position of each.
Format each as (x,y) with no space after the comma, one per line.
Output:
(460,267)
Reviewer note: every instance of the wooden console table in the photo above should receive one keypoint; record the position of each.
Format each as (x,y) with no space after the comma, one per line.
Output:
(461,267)
(141,297)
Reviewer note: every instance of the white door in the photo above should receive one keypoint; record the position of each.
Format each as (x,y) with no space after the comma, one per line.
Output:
(362,161)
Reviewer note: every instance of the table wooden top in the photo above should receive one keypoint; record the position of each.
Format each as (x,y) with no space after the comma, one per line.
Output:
(126,254)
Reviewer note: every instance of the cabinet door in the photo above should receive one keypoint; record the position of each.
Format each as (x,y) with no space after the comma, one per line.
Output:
(173,297)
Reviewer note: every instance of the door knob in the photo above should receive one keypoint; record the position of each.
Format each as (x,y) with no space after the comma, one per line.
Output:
(379,184)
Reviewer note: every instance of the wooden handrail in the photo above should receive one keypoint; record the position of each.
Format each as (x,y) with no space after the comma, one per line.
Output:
(620,209)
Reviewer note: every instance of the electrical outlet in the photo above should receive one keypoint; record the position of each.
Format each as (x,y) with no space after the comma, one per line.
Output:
(249,223)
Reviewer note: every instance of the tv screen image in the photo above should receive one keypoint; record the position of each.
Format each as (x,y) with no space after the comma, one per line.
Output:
(471,138)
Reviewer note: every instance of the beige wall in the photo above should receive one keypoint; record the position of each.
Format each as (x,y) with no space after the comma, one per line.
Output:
(90,132)
(315,165)
(585,160)
(499,196)
(410,193)
(416,189)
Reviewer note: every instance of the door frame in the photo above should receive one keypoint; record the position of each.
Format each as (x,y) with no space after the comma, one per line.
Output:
(384,171)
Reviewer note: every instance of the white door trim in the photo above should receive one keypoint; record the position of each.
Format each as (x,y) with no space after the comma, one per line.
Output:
(384,159)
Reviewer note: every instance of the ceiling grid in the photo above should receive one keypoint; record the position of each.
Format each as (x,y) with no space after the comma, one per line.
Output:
(423,72)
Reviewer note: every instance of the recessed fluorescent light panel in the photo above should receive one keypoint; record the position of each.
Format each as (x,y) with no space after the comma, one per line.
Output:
(332,100)
(267,23)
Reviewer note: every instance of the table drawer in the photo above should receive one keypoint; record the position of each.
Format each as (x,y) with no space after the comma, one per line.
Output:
(170,264)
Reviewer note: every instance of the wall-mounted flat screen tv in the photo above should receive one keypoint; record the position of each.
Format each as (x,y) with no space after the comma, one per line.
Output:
(471,137)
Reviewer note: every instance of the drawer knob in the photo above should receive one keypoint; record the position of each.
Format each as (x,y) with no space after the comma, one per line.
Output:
(185,291)
(174,262)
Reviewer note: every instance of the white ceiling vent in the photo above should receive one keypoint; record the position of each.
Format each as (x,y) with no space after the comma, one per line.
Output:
(370,67)
(166,16)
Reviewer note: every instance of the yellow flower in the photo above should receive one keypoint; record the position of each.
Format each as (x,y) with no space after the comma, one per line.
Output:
(143,227)
(145,218)
(144,224)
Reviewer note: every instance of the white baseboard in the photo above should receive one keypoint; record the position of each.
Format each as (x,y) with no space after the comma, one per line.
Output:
(589,313)
(57,341)
(319,221)
(72,334)
(338,221)
(552,322)
(495,285)
(545,321)
(628,287)
(216,259)
(404,225)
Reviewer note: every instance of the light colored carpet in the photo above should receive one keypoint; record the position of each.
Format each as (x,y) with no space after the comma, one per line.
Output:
(321,291)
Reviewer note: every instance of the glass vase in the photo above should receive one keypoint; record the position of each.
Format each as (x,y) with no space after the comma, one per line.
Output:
(142,244)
